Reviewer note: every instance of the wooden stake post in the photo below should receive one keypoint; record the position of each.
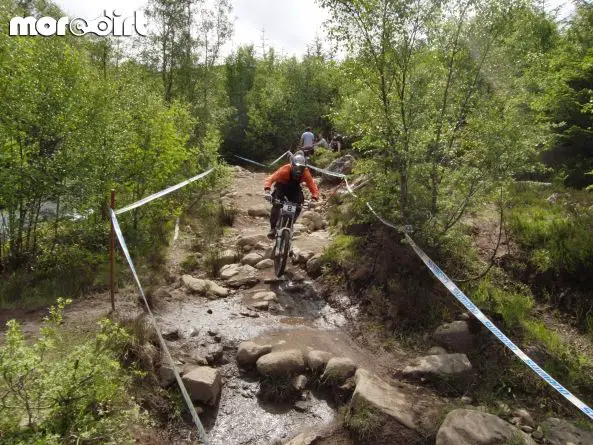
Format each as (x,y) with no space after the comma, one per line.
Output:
(112,255)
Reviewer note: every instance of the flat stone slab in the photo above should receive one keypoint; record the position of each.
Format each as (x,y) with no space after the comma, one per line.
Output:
(439,366)
(561,432)
(467,427)
(401,406)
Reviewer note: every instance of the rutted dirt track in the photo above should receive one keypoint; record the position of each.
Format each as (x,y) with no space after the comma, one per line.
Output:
(299,318)
(207,321)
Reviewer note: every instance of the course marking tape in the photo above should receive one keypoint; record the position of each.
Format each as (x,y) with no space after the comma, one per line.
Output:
(251,162)
(287,153)
(188,402)
(162,193)
(465,301)
(469,305)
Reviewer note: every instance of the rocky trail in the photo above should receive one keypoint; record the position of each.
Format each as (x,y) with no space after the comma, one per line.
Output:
(270,361)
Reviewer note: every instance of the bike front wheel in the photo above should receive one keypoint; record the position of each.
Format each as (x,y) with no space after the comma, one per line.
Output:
(282,252)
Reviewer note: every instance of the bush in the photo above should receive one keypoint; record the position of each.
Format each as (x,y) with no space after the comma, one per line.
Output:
(57,392)
(559,234)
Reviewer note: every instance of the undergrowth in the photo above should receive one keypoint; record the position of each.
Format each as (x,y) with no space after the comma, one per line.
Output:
(57,392)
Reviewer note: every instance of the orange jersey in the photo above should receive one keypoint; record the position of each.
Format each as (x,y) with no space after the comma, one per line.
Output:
(284,175)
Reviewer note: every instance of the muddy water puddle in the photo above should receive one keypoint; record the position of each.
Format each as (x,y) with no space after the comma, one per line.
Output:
(241,417)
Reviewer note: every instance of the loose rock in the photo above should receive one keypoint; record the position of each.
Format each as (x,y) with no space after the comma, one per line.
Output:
(265,264)
(455,337)
(436,350)
(314,266)
(260,305)
(166,376)
(265,296)
(251,240)
(228,271)
(249,352)
(300,382)
(447,366)
(214,353)
(313,220)
(252,259)
(204,287)
(561,432)
(203,384)
(245,277)
(281,363)
(227,257)
(259,212)
(338,369)
(317,360)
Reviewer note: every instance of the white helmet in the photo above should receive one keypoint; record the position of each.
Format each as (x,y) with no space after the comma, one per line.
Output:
(298,162)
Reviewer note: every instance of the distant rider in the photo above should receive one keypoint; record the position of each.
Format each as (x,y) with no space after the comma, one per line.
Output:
(307,142)
(287,183)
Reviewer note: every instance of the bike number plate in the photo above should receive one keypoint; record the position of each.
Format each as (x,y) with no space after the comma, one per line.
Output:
(289,209)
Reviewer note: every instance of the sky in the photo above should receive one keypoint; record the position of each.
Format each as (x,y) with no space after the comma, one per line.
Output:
(289,25)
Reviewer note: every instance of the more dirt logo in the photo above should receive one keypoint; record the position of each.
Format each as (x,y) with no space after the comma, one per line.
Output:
(106,25)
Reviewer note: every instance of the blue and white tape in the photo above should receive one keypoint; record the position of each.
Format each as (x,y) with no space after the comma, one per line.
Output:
(251,162)
(162,193)
(476,312)
(467,303)
(188,402)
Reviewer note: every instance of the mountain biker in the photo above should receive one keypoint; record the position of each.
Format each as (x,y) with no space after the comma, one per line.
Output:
(307,142)
(287,183)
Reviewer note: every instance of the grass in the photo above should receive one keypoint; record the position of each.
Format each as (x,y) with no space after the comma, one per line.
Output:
(558,235)
(362,419)
(278,389)
(189,264)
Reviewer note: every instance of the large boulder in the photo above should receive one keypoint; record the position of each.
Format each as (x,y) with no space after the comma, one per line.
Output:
(204,287)
(203,384)
(455,337)
(466,427)
(442,366)
(343,165)
(282,363)
(402,407)
(249,352)
(560,432)
(338,369)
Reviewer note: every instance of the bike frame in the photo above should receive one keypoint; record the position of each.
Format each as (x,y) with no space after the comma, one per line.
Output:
(285,220)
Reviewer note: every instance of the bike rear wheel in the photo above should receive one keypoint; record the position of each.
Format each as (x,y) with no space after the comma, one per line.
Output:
(281,257)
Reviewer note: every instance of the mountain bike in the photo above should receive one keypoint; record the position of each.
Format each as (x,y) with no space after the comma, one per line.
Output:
(283,240)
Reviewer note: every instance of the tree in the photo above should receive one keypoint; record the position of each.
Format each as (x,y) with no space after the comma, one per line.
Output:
(425,95)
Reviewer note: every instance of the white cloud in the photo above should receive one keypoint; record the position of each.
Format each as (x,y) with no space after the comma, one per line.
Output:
(290,25)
